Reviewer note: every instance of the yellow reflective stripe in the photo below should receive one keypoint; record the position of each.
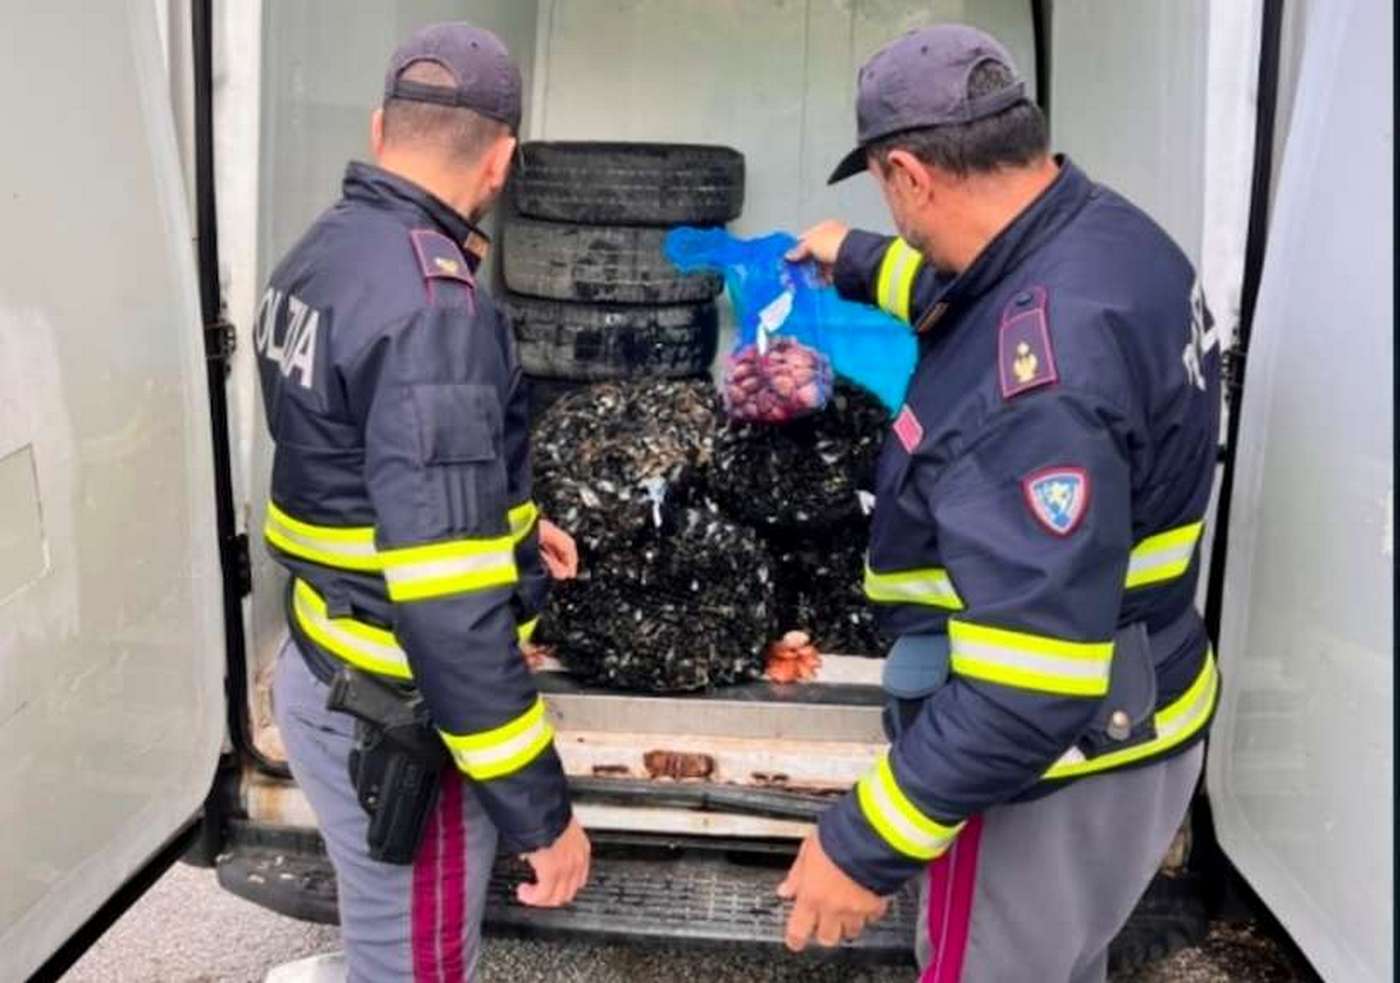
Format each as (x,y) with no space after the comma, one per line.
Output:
(352,547)
(420,572)
(904,286)
(505,749)
(1025,661)
(344,547)
(522,520)
(930,586)
(1175,724)
(1165,556)
(364,646)
(360,644)
(898,821)
(896,278)
(1158,558)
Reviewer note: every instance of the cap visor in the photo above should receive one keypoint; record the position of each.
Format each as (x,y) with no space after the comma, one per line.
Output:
(851,165)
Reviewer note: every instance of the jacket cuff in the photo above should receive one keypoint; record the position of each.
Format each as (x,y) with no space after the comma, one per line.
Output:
(530,808)
(854,846)
(856,262)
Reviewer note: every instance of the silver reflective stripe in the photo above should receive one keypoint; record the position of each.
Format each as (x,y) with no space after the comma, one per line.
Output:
(478,759)
(1190,716)
(1172,725)
(926,844)
(345,547)
(365,549)
(1028,661)
(1140,565)
(1036,662)
(439,569)
(362,645)
(933,587)
(1163,556)
(451,566)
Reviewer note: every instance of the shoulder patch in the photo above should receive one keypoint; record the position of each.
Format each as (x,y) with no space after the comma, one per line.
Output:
(1025,358)
(1058,498)
(439,257)
(908,429)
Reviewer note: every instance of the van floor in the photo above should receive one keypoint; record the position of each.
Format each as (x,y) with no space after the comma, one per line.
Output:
(189,930)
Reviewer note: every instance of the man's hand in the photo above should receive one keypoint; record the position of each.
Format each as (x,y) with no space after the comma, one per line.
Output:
(561,869)
(829,903)
(821,243)
(558,551)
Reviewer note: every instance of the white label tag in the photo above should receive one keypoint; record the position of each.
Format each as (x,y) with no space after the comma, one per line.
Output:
(772,317)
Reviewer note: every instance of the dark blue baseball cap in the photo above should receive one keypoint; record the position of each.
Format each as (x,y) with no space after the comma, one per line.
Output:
(920,80)
(487,80)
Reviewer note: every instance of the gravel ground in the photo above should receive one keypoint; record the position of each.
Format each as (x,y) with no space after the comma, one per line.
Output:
(188,930)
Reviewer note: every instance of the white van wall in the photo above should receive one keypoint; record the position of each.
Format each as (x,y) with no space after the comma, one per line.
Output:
(775,79)
(1127,102)
(1302,756)
(323,73)
(111,647)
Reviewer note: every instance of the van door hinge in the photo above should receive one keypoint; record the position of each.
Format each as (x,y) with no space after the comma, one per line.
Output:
(220,341)
(243,564)
(1232,373)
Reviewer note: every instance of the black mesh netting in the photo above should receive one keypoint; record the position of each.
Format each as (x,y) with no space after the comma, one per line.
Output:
(605,456)
(689,606)
(819,590)
(699,541)
(803,475)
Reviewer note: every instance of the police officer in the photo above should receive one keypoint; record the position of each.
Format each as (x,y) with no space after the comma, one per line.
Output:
(400,504)
(1034,546)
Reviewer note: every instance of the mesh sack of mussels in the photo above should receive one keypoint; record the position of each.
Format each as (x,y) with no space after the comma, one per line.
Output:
(690,606)
(803,475)
(689,530)
(784,382)
(819,589)
(608,457)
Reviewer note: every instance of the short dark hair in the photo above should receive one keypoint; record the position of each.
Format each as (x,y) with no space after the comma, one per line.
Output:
(461,134)
(1015,137)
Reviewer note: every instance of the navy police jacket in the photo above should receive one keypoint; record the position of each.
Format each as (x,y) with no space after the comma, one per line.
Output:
(1039,507)
(400,497)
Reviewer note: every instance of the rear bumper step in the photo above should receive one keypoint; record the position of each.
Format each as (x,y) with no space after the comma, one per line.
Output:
(652,894)
(692,899)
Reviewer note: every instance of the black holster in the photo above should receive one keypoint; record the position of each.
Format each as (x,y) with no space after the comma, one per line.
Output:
(395,764)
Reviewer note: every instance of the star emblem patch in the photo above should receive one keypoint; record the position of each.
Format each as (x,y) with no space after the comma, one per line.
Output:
(1058,498)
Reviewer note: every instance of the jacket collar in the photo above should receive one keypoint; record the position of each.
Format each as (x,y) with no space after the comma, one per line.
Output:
(368,183)
(1037,224)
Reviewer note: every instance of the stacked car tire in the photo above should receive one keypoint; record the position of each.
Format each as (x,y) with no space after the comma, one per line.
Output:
(588,290)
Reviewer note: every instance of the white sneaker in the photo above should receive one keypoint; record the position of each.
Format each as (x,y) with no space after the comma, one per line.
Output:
(326,968)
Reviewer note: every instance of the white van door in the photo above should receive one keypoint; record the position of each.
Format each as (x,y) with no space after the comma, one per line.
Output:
(1301,756)
(111,638)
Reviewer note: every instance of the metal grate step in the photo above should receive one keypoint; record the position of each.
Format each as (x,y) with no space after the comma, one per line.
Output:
(676,890)
(689,899)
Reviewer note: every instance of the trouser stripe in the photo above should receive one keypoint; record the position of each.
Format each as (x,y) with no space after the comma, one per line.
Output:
(425,903)
(952,883)
(453,879)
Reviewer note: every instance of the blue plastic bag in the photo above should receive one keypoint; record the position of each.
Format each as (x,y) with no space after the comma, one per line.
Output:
(774,299)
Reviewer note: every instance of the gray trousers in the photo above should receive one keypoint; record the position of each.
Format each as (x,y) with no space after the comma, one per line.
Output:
(1035,891)
(398,922)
